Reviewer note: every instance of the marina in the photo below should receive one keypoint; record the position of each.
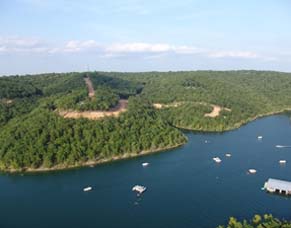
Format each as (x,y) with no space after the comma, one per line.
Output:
(183,186)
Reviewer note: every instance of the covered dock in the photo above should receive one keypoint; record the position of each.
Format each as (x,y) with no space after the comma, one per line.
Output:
(278,186)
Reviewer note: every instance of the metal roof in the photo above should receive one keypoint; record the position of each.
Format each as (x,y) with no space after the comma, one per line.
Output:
(278,184)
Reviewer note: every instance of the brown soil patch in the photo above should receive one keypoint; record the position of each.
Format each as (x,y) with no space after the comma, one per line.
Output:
(90,87)
(6,101)
(216,111)
(171,105)
(95,115)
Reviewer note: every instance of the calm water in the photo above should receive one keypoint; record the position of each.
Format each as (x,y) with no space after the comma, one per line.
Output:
(185,187)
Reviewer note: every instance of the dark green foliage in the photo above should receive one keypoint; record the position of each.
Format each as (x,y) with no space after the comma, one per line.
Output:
(123,88)
(17,107)
(33,135)
(15,87)
(247,93)
(51,84)
(266,221)
(45,139)
(104,99)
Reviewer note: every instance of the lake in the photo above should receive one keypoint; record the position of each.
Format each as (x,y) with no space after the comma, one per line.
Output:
(186,188)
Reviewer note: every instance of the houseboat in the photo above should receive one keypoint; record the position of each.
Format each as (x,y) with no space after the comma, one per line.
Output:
(278,186)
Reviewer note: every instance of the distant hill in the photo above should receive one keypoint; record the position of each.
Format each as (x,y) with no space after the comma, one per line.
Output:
(34,136)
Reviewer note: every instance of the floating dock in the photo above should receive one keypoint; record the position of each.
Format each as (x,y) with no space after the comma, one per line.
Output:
(278,186)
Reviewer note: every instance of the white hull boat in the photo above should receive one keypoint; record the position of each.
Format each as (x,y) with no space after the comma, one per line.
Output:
(87,189)
(252,171)
(217,159)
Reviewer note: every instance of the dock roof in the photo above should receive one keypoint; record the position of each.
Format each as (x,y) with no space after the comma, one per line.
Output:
(278,184)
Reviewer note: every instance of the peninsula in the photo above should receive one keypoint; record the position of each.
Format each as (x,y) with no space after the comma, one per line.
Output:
(58,121)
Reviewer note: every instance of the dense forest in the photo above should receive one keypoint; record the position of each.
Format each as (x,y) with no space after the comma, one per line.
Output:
(33,135)
(266,221)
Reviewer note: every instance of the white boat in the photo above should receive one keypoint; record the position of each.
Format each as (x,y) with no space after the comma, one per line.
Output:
(87,189)
(260,137)
(252,171)
(139,189)
(282,161)
(217,159)
(145,164)
(282,146)
(228,155)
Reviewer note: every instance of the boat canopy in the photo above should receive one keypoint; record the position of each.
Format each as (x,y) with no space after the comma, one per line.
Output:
(278,184)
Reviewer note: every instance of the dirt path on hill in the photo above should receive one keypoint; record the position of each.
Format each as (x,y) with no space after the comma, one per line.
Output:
(214,113)
(95,115)
(90,87)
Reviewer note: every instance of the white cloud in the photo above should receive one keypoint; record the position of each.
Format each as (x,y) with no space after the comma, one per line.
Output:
(137,48)
(233,54)
(19,44)
(78,46)
(145,50)
(123,48)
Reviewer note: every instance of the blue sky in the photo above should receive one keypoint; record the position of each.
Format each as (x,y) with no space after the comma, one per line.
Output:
(131,35)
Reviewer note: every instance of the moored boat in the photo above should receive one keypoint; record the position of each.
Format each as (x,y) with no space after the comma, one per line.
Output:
(252,171)
(217,159)
(87,189)
(139,189)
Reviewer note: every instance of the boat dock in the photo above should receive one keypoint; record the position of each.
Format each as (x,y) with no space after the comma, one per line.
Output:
(278,186)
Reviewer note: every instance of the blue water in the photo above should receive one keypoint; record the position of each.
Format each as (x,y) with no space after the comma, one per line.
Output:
(185,187)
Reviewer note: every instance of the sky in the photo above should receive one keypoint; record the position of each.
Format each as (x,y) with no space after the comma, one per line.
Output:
(40,36)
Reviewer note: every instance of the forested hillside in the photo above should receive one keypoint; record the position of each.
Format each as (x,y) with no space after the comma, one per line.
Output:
(34,136)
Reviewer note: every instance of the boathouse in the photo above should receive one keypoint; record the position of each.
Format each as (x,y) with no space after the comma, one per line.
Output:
(278,186)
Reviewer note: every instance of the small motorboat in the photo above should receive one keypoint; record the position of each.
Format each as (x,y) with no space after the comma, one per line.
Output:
(260,137)
(139,189)
(217,159)
(87,189)
(282,146)
(228,155)
(252,171)
(282,161)
(145,164)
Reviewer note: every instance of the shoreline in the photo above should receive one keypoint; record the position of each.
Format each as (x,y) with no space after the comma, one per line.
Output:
(237,125)
(94,162)
(142,153)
